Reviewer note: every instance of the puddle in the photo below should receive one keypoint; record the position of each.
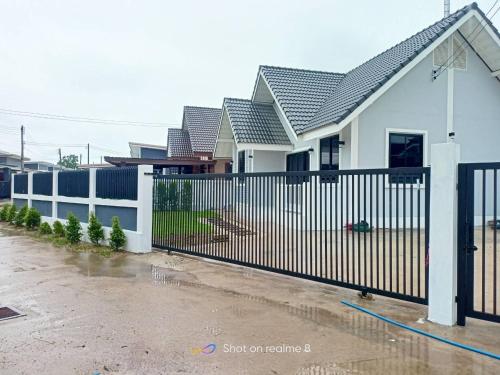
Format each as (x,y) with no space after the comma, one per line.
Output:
(94,265)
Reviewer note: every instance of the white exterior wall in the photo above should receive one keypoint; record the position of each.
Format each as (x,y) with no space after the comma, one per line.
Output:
(417,102)
(138,241)
(268,161)
(477,111)
(414,103)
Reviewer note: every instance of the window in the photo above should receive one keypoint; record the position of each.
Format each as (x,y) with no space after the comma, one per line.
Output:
(406,150)
(297,162)
(329,156)
(241,162)
(241,165)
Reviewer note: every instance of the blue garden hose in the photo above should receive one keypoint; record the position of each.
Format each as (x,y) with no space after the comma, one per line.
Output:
(401,325)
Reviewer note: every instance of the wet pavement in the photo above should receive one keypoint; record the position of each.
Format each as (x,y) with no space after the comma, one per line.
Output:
(158,313)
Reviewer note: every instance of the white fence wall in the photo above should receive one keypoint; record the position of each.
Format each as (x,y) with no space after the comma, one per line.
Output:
(138,240)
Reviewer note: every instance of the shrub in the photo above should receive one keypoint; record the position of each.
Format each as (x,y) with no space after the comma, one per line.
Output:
(45,228)
(59,229)
(4,212)
(186,196)
(117,238)
(11,215)
(95,230)
(172,196)
(32,218)
(21,216)
(161,196)
(73,229)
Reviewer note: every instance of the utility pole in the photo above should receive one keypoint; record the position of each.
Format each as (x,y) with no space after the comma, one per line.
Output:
(22,148)
(88,153)
(80,159)
(101,159)
(60,157)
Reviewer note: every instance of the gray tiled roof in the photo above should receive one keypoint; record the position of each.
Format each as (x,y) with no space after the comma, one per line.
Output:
(300,93)
(255,122)
(361,82)
(202,124)
(178,143)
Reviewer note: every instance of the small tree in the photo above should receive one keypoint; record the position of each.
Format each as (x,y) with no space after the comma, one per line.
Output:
(117,238)
(32,218)
(95,230)
(4,212)
(21,216)
(11,215)
(69,161)
(45,228)
(186,196)
(73,229)
(59,229)
(161,196)
(173,196)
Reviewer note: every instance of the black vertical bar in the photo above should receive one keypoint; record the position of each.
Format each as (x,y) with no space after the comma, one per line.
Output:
(483,243)
(365,260)
(384,259)
(419,235)
(371,233)
(331,186)
(316,226)
(397,232)
(462,244)
(348,208)
(311,209)
(341,227)
(296,226)
(405,181)
(411,240)
(495,229)
(427,228)
(307,224)
(390,232)
(321,261)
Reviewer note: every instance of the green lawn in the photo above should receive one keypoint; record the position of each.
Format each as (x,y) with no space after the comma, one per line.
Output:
(181,222)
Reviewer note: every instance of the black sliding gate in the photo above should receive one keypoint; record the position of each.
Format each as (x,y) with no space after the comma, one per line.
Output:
(361,229)
(478,241)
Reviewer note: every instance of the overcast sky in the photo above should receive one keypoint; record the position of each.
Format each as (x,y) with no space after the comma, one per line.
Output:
(144,60)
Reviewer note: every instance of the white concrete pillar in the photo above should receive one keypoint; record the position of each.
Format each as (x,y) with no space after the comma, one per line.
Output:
(30,188)
(92,189)
(55,194)
(443,234)
(144,207)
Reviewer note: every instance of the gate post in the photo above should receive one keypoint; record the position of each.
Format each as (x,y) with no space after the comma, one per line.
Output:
(443,234)
(145,206)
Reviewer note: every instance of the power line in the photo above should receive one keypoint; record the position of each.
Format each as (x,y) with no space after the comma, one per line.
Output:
(86,120)
(461,50)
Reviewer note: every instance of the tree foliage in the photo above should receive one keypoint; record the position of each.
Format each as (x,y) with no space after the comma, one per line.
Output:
(69,161)
(45,228)
(4,212)
(59,229)
(73,229)
(11,215)
(186,196)
(95,229)
(117,238)
(32,218)
(20,217)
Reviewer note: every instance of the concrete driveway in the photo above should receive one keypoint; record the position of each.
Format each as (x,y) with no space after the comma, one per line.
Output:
(158,313)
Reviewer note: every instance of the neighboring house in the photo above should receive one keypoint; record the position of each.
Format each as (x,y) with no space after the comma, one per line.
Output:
(440,85)
(9,164)
(41,166)
(189,149)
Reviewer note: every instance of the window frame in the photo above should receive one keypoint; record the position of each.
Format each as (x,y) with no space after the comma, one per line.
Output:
(306,164)
(423,133)
(331,140)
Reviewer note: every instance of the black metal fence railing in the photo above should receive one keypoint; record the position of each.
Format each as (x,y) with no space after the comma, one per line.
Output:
(42,183)
(363,229)
(117,183)
(21,183)
(73,183)
(5,187)
(479,241)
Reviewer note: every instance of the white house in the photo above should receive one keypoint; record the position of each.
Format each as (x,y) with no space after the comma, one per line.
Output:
(439,85)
